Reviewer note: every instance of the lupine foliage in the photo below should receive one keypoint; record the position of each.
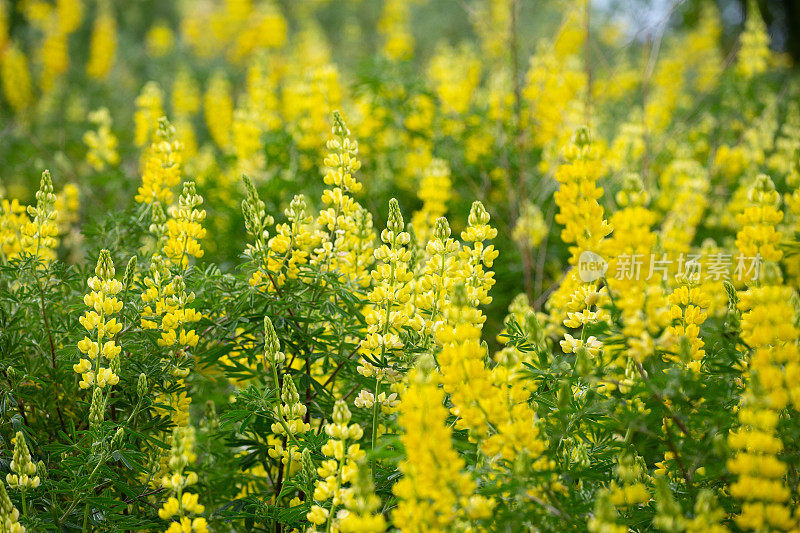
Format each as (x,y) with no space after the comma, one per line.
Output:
(296,267)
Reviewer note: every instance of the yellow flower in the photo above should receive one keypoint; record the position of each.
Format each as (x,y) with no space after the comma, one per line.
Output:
(16,78)
(758,236)
(159,40)
(394,27)
(103,45)
(754,53)
(162,165)
(102,347)
(102,143)
(149,110)
(218,106)
(435,488)
(180,502)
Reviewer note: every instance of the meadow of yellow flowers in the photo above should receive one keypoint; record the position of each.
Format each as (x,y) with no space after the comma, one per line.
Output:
(395,265)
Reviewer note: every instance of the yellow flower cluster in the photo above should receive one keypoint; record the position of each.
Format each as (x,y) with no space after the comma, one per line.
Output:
(382,346)
(166,308)
(684,195)
(768,328)
(476,258)
(181,504)
(578,194)
(308,98)
(23,470)
(604,519)
(102,143)
(159,40)
(492,25)
(707,515)
(578,303)
(9,515)
(360,506)
(12,218)
(149,110)
(554,84)
(288,249)
(16,78)
(437,279)
(435,191)
(488,402)
(760,472)
(35,229)
(530,228)
(246,137)
(184,227)
(102,348)
(290,413)
(455,75)
(103,44)
(643,309)
(218,108)
(435,492)
(237,29)
(39,234)
(758,236)
(347,246)
(185,94)
(341,467)
(754,53)
(631,490)
(262,98)
(394,25)
(689,304)
(162,166)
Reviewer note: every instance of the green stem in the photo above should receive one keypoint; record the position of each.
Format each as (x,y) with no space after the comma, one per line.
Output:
(85,518)
(375,408)
(281,421)
(91,478)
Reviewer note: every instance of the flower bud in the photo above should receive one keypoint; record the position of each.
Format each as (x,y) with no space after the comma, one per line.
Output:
(478,214)
(441,229)
(116,441)
(341,413)
(105,266)
(272,345)
(582,137)
(96,409)
(339,127)
(395,221)
(308,472)
(130,272)
(212,420)
(141,386)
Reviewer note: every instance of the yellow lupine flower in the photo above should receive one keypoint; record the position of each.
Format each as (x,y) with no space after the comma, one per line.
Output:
(103,45)
(754,53)
(149,110)
(218,107)
(16,78)
(162,166)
